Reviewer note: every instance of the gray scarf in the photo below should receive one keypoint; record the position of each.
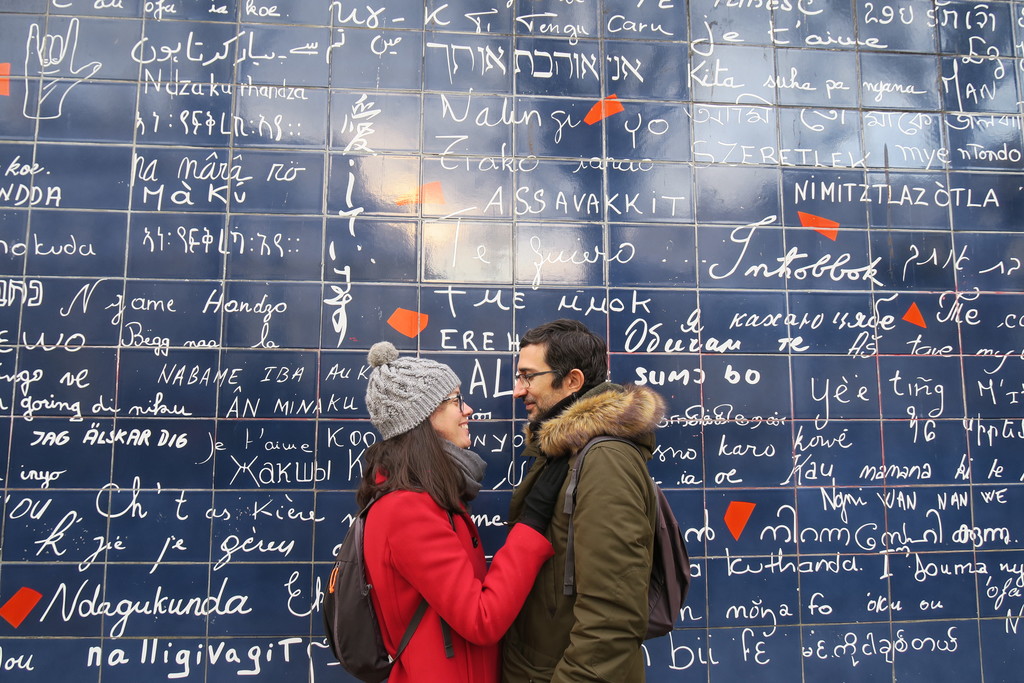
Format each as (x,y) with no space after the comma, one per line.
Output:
(470,464)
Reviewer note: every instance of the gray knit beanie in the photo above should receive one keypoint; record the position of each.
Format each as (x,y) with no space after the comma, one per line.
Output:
(403,392)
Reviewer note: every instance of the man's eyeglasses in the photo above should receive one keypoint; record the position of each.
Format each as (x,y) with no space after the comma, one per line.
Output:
(526,379)
(457,400)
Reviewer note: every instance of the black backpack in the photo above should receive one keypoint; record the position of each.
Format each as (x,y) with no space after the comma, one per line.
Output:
(350,622)
(670,571)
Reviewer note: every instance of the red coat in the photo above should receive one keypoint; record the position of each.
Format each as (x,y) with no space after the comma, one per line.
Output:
(410,550)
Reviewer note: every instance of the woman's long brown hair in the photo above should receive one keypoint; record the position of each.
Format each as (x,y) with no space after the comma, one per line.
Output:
(412,461)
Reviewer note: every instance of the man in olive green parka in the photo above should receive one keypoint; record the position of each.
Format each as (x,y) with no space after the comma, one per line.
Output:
(596,633)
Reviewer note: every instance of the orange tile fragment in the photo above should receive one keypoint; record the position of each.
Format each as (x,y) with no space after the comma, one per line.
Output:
(603,109)
(822,226)
(429,193)
(409,323)
(914,317)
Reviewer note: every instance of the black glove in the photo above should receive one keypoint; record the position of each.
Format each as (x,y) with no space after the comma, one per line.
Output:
(543,497)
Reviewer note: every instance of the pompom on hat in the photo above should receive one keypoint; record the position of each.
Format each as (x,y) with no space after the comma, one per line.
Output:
(403,392)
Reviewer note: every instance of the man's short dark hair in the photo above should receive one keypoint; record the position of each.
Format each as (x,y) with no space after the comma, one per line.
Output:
(570,344)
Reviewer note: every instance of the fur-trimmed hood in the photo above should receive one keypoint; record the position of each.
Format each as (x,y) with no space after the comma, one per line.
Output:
(625,411)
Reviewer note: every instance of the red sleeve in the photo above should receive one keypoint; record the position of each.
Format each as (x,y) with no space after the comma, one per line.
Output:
(428,554)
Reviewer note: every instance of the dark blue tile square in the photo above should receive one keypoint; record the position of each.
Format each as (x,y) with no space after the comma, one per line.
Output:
(994,507)
(677,377)
(650,131)
(999,591)
(269,315)
(737,195)
(903,315)
(363,319)
(844,263)
(713,22)
(182,384)
(340,455)
(55,453)
(275,248)
(255,617)
(468,124)
(968,28)
(467,251)
(835,653)
(924,451)
(90,369)
(913,260)
(736,134)
(726,331)
(266,455)
(14,241)
(662,194)
(767,538)
(984,142)
(823,197)
(97,111)
(467,189)
(894,81)
(924,663)
(197,114)
(970,86)
(178,245)
(1001,649)
(921,387)
(128,8)
(537,306)
(901,198)
(267,11)
(554,127)
(377,59)
(469,319)
(770,654)
(559,255)
(823,456)
(897,28)
(381,122)
(1003,308)
(630,68)
(563,190)
(187,180)
(828,24)
(47,658)
(732,73)
(282,56)
(841,389)
(177,454)
(994,393)
(802,81)
(464,62)
(624,20)
(836,520)
(748,387)
(64,317)
(274,384)
(68,185)
(986,201)
(905,140)
(550,66)
(151,314)
(489,511)
(146,526)
(278,182)
(820,137)
(917,594)
(275,116)
(677,461)
(441,15)
(198,10)
(738,456)
(77,243)
(372,185)
(43,528)
(59,583)
(197,51)
(369,249)
(100,41)
(920,531)
(653,255)
(744,257)
(651,321)
(992,444)
(760,602)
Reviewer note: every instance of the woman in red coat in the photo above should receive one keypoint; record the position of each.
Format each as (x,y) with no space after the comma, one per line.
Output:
(419,541)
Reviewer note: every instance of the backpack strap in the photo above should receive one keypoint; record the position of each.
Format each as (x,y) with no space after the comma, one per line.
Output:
(569,577)
(417,617)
